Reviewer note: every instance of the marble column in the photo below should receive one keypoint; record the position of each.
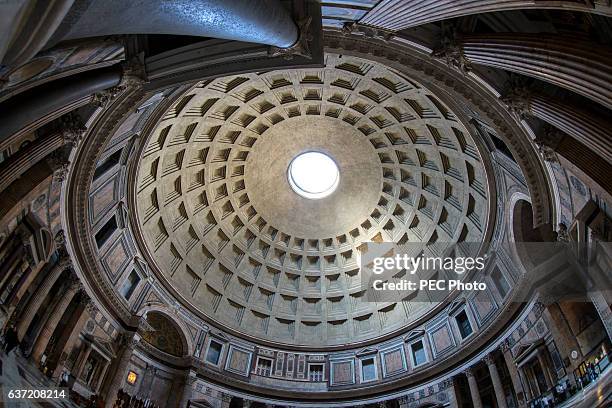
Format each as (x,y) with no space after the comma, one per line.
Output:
(40,148)
(39,296)
(82,360)
(582,136)
(75,332)
(546,369)
(50,100)
(587,127)
(565,340)
(241,20)
(190,380)
(45,334)
(28,31)
(401,14)
(497,384)
(453,401)
(514,374)
(474,392)
(130,341)
(526,385)
(580,66)
(102,375)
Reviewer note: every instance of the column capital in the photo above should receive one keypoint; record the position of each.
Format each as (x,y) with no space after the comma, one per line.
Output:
(562,233)
(129,340)
(134,73)
(133,76)
(75,284)
(301,46)
(72,129)
(190,378)
(469,372)
(450,51)
(517,97)
(59,162)
(60,246)
(547,142)
(489,359)
(504,346)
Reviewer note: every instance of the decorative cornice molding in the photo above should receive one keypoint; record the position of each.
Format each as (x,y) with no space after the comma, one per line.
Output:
(354,28)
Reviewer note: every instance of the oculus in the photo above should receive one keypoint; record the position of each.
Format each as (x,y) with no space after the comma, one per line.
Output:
(313,175)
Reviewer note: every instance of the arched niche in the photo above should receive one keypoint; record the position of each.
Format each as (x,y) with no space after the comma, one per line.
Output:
(165,335)
(526,238)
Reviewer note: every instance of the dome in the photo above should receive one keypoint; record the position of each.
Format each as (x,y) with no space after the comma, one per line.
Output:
(224,227)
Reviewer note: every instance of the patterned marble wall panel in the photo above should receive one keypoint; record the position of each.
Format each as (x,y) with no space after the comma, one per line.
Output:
(342,372)
(116,259)
(238,360)
(483,305)
(432,395)
(393,361)
(441,339)
(161,390)
(103,199)
(525,332)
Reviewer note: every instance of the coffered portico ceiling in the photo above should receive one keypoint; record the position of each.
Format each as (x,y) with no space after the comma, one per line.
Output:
(225,229)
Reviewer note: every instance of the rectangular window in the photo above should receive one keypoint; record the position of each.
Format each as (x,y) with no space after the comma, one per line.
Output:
(500,282)
(315,372)
(418,353)
(130,284)
(107,164)
(368,369)
(106,231)
(465,328)
(214,352)
(264,367)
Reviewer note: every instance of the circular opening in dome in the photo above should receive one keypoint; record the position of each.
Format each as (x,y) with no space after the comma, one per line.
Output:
(313,175)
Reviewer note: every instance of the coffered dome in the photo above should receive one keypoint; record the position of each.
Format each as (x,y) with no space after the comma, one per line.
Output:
(224,227)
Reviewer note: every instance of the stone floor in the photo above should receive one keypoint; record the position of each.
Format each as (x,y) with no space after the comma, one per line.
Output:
(595,395)
(17,373)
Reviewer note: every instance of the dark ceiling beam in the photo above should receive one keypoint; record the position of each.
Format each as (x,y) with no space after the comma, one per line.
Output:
(400,14)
